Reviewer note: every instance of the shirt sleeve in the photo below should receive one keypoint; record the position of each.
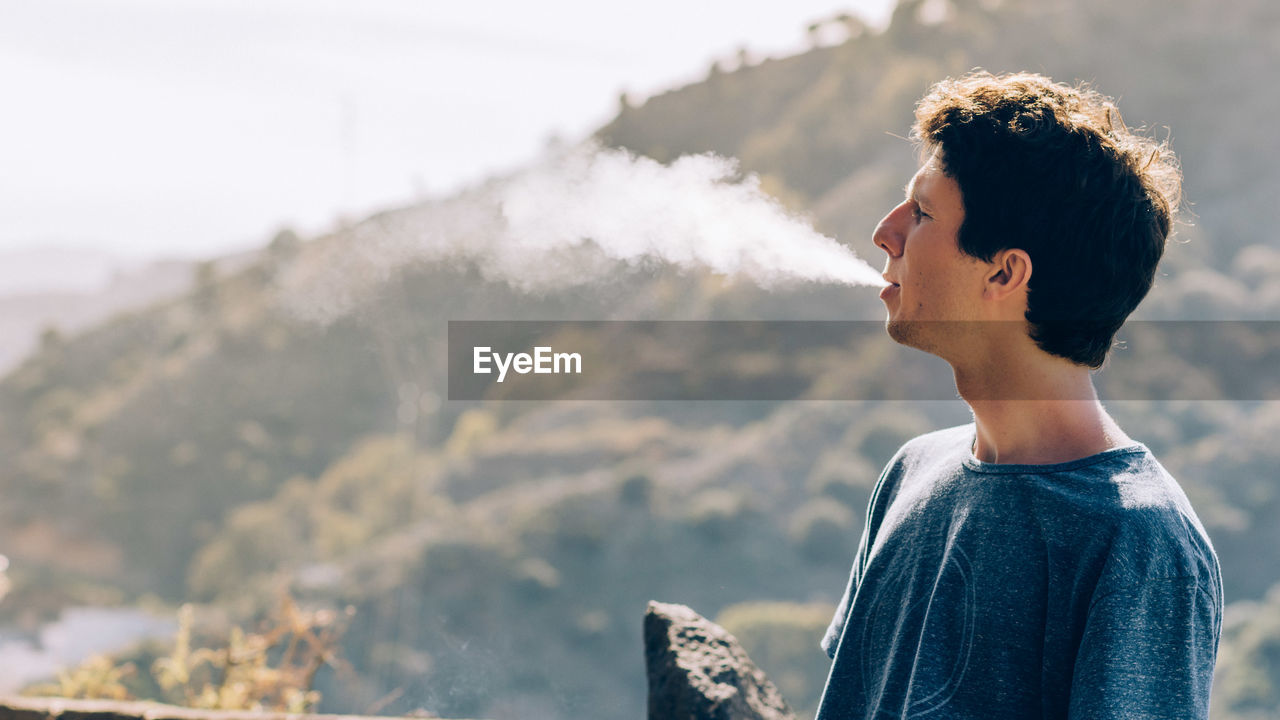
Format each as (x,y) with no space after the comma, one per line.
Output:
(1148,652)
(831,639)
(876,507)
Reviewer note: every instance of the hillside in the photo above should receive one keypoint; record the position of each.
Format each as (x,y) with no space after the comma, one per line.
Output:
(499,555)
(39,302)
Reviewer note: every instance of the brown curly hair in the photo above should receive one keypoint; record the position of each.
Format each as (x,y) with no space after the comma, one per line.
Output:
(1051,169)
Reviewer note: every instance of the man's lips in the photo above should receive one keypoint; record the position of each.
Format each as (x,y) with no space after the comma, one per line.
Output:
(889,289)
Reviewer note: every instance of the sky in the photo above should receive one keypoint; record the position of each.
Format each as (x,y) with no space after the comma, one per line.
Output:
(152,129)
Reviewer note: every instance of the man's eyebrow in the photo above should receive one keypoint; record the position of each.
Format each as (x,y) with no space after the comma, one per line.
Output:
(913,193)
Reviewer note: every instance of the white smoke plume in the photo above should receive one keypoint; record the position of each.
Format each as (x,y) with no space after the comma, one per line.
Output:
(574,218)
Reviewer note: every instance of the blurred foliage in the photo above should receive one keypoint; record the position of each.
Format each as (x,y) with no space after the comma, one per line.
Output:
(383,483)
(820,528)
(500,555)
(779,639)
(273,669)
(98,678)
(1247,685)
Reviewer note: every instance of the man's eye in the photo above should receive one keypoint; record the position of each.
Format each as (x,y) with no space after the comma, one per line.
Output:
(917,213)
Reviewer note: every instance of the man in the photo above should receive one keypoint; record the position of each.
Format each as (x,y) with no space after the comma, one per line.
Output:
(1037,563)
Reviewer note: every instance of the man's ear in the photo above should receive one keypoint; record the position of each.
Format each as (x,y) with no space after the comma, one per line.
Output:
(1009,273)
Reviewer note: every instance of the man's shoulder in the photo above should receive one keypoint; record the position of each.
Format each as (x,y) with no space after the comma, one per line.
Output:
(940,450)
(948,442)
(926,457)
(1123,500)
(1155,529)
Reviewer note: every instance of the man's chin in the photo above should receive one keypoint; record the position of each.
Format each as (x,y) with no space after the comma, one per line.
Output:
(913,333)
(903,332)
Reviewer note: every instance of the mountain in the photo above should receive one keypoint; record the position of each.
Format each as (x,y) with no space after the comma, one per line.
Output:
(286,420)
(65,290)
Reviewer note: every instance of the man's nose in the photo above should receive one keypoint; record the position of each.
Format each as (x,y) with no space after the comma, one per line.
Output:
(891,232)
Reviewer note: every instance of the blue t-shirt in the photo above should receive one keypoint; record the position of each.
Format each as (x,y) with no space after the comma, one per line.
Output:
(1084,589)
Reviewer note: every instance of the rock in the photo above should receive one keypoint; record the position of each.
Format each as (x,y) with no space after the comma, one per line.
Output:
(698,671)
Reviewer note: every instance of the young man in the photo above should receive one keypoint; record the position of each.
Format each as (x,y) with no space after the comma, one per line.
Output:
(1037,563)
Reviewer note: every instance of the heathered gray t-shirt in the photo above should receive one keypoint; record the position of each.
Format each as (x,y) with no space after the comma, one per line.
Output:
(1085,589)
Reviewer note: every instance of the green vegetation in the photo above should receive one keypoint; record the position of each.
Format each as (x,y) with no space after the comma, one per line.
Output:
(273,669)
(1248,681)
(499,555)
(779,639)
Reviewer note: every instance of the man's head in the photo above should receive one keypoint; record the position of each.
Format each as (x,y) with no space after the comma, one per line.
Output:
(1052,185)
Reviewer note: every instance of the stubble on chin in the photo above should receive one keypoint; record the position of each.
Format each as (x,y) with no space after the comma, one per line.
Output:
(930,336)
(905,332)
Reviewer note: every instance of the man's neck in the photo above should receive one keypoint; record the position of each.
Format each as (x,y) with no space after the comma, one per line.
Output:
(1036,412)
